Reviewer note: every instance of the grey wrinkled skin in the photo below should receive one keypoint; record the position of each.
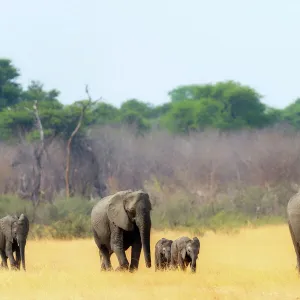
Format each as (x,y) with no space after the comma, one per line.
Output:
(293,215)
(13,235)
(120,221)
(184,252)
(163,254)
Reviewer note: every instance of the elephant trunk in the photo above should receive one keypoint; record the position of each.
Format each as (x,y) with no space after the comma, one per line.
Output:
(193,263)
(168,260)
(168,257)
(22,253)
(22,232)
(193,266)
(143,222)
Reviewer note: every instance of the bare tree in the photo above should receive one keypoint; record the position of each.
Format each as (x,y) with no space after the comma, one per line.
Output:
(84,107)
(38,151)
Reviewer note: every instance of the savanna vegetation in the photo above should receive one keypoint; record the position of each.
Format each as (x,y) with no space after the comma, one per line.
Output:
(213,157)
(254,264)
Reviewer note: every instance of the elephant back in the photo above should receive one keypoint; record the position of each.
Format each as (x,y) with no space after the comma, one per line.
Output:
(293,206)
(293,212)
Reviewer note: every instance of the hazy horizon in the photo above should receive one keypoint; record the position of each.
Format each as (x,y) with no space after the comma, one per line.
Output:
(143,50)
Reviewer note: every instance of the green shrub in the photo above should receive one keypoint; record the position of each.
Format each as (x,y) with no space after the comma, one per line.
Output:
(227,212)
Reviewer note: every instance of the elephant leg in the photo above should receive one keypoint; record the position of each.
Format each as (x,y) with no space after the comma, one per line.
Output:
(117,246)
(104,254)
(18,258)
(181,262)
(4,259)
(159,263)
(9,253)
(173,263)
(105,259)
(135,254)
(164,265)
(103,268)
(296,247)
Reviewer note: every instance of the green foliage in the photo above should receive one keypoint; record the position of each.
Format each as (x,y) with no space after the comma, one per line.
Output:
(181,117)
(10,90)
(226,105)
(65,218)
(134,105)
(12,205)
(291,114)
(134,119)
(70,218)
(104,113)
(35,91)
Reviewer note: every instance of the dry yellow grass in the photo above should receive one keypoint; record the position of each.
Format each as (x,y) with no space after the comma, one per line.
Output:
(254,264)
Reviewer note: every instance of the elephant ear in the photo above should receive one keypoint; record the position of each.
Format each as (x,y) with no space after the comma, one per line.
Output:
(116,210)
(196,241)
(6,227)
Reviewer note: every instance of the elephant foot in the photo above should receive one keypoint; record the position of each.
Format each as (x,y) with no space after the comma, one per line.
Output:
(15,268)
(105,269)
(121,269)
(133,269)
(4,267)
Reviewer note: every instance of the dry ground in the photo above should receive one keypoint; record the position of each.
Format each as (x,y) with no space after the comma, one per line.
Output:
(254,264)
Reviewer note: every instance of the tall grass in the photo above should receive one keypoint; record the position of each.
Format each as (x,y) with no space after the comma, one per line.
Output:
(253,264)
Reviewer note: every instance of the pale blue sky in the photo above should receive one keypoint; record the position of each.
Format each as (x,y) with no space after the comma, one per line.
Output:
(142,49)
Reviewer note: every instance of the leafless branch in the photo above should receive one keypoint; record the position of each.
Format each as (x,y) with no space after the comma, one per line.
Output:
(38,154)
(83,109)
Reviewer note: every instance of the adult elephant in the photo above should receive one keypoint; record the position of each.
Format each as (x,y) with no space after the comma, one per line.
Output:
(119,221)
(13,235)
(293,214)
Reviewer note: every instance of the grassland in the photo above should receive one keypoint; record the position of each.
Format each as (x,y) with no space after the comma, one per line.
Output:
(253,264)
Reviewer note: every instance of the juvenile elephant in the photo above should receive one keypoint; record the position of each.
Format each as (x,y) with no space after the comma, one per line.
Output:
(184,251)
(119,221)
(163,254)
(13,235)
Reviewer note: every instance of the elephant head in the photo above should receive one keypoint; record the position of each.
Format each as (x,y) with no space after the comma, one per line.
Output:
(129,208)
(166,250)
(16,228)
(192,249)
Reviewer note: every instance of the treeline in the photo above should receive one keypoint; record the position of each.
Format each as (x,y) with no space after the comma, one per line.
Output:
(224,105)
(213,155)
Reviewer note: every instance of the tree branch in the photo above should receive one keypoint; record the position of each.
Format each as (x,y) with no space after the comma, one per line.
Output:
(83,109)
(38,153)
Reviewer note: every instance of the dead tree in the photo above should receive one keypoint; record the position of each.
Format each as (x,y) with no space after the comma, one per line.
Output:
(38,151)
(68,157)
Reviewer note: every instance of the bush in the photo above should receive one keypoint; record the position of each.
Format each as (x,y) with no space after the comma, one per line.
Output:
(172,208)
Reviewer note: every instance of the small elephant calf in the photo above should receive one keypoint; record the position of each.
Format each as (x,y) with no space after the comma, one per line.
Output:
(184,252)
(163,254)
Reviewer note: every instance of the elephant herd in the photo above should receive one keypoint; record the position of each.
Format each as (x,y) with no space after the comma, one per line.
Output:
(120,221)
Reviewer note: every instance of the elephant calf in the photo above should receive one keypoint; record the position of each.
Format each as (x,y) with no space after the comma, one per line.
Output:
(163,254)
(184,251)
